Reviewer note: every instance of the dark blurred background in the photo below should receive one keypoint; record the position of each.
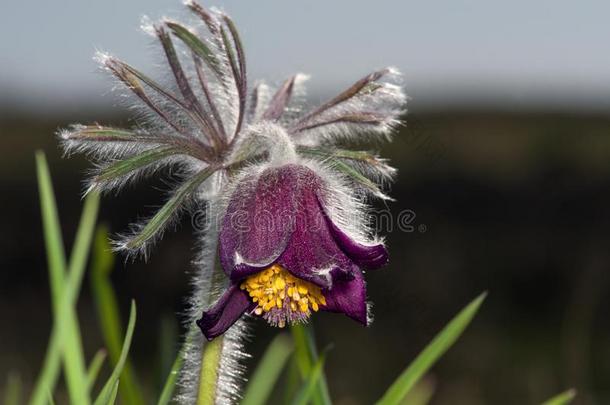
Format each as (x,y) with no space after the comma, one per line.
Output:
(505,161)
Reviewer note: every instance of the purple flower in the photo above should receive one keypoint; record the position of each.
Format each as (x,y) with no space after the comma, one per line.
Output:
(284,255)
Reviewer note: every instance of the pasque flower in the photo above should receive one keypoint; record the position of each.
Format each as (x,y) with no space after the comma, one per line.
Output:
(284,254)
(245,153)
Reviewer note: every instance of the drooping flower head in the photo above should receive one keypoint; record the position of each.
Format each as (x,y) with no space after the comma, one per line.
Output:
(285,255)
(288,196)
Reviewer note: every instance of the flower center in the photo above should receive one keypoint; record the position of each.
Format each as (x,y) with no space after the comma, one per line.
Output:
(281,297)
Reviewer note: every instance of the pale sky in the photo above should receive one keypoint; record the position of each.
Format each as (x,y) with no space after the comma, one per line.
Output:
(513,52)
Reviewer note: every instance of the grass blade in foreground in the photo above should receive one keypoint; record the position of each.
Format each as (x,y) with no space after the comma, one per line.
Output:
(430,355)
(561,399)
(172,377)
(306,356)
(108,314)
(107,392)
(65,337)
(266,374)
(95,367)
(306,393)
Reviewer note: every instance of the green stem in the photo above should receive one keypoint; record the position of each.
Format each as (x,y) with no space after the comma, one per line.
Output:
(208,377)
(306,355)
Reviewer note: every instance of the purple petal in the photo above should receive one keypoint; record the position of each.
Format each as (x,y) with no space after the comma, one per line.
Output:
(367,256)
(258,222)
(347,295)
(312,250)
(225,312)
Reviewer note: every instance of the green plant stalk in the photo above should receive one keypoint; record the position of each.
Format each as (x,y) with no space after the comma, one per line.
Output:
(208,376)
(65,338)
(108,314)
(170,382)
(95,366)
(396,393)
(563,398)
(306,358)
(308,390)
(110,388)
(268,371)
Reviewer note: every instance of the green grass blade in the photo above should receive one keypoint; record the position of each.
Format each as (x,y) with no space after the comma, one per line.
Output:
(267,372)
(564,398)
(65,337)
(12,390)
(94,368)
(292,380)
(306,355)
(172,377)
(113,393)
(168,336)
(108,314)
(53,239)
(430,355)
(106,393)
(306,393)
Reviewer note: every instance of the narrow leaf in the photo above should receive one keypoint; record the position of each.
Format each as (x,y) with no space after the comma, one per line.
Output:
(106,393)
(240,81)
(362,85)
(172,377)
(192,102)
(65,337)
(306,357)
(197,46)
(176,66)
(431,354)
(356,176)
(564,398)
(363,118)
(109,315)
(113,393)
(367,158)
(97,133)
(94,368)
(267,372)
(243,77)
(124,167)
(306,393)
(165,214)
(280,100)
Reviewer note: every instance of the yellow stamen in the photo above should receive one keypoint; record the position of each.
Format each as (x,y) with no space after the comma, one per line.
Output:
(276,288)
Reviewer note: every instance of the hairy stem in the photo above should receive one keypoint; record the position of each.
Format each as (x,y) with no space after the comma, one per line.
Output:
(211,372)
(208,378)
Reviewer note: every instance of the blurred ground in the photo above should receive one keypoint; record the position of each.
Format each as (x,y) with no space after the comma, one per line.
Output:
(510,202)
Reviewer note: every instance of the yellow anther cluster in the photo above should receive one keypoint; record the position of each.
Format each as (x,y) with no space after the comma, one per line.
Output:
(275,287)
